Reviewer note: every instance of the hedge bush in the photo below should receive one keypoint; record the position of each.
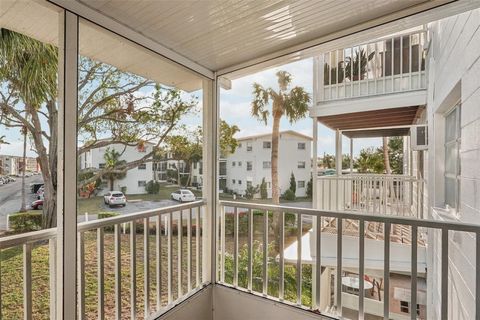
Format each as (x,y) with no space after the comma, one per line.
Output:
(25,221)
(289,195)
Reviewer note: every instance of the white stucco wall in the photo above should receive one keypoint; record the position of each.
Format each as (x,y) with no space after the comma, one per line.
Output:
(288,158)
(95,157)
(454,73)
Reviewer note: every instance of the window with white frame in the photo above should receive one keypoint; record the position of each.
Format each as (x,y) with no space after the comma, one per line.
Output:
(239,163)
(301,184)
(142,166)
(249,166)
(267,164)
(233,163)
(267,144)
(249,146)
(142,183)
(452,158)
(301,146)
(233,181)
(301,165)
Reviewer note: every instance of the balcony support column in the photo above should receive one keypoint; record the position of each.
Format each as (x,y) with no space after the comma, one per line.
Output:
(338,152)
(210,178)
(66,288)
(351,155)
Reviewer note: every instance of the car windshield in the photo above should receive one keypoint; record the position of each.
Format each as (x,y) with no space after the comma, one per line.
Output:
(117,195)
(186,192)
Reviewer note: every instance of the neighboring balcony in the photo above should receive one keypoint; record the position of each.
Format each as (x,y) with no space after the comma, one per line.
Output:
(380,74)
(398,195)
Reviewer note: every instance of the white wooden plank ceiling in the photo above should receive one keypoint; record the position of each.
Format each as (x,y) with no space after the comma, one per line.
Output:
(219,34)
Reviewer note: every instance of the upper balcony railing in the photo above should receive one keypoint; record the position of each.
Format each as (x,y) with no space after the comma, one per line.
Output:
(389,65)
(398,195)
(118,277)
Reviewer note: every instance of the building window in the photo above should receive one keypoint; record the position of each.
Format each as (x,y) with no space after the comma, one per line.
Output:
(269,185)
(101,165)
(240,145)
(239,163)
(267,164)
(452,158)
(249,184)
(233,181)
(301,146)
(301,165)
(142,183)
(267,144)
(301,184)
(249,166)
(404,306)
(249,146)
(233,163)
(142,166)
(239,181)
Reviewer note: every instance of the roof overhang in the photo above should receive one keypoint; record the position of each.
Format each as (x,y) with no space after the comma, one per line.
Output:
(375,123)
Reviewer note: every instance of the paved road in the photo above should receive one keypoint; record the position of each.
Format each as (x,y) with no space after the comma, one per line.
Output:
(11,195)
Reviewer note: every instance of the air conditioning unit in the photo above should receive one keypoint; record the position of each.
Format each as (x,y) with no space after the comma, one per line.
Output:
(419,138)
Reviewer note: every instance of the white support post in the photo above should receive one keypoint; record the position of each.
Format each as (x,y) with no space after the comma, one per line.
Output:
(351,155)
(338,152)
(210,174)
(67,168)
(315,267)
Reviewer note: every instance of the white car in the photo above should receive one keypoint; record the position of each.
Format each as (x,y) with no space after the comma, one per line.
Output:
(115,198)
(183,195)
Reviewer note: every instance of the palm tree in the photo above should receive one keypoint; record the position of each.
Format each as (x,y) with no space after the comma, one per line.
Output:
(31,72)
(23,207)
(292,103)
(113,165)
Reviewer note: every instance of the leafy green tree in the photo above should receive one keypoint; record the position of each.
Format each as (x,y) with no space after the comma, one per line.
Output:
(112,162)
(328,161)
(293,183)
(228,144)
(251,191)
(395,148)
(107,106)
(263,189)
(292,103)
(310,187)
(370,160)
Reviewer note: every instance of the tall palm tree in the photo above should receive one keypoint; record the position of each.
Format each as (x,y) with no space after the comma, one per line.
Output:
(292,103)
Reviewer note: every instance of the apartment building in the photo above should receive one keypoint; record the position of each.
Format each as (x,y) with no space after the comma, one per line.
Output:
(251,162)
(135,179)
(13,165)
(161,168)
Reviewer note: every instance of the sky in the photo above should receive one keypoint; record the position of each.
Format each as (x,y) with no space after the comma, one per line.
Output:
(235,107)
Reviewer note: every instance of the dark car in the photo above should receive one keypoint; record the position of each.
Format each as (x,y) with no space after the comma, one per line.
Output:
(37,204)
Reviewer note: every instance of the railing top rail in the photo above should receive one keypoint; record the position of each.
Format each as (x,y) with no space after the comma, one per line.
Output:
(373,176)
(434,224)
(22,238)
(94,224)
(378,40)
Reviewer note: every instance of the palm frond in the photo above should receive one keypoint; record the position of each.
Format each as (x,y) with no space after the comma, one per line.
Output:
(284,80)
(261,98)
(296,104)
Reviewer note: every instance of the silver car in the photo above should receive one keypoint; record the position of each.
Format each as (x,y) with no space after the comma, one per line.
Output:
(115,198)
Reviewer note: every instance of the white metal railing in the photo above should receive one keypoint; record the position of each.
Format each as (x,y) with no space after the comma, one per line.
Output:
(231,256)
(387,65)
(399,195)
(157,224)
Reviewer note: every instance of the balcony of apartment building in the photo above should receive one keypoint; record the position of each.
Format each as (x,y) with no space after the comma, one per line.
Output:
(361,252)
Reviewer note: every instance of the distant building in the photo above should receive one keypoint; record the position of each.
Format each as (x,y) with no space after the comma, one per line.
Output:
(251,162)
(13,165)
(135,179)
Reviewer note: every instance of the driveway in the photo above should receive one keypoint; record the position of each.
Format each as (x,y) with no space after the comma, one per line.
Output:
(11,197)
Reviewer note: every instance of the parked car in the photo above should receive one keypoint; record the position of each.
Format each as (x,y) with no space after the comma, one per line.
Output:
(35,186)
(183,195)
(115,198)
(12,179)
(37,204)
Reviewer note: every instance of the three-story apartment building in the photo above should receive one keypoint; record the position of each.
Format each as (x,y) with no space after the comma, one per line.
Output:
(251,162)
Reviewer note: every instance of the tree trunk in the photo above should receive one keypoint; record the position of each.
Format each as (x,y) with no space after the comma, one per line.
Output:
(23,207)
(112,181)
(274,160)
(178,173)
(386,159)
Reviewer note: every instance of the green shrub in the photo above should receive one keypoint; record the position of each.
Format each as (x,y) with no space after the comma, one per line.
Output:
(289,195)
(263,190)
(25,221)
(251,191)
(152,187)
(293,183)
